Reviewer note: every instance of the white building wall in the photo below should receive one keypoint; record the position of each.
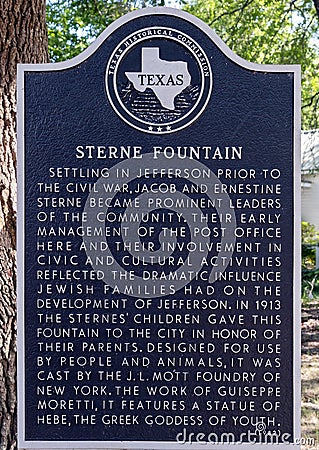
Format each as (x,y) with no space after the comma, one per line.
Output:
(310,199)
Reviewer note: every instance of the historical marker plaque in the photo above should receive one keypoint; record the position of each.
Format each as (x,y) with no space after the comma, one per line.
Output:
(158,276)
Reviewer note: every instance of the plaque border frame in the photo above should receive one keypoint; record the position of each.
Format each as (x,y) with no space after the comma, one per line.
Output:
(22,69)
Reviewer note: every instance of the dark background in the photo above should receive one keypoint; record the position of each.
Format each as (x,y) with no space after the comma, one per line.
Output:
(66,108)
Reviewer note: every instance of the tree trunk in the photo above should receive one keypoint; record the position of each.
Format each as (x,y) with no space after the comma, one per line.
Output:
(316,3)
(23,38)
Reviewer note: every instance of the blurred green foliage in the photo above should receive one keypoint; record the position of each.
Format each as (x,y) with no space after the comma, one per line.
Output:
(261,31)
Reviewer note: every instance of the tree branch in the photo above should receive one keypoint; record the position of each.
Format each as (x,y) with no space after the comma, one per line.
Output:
(226,13)
(310,100)
(316,3)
